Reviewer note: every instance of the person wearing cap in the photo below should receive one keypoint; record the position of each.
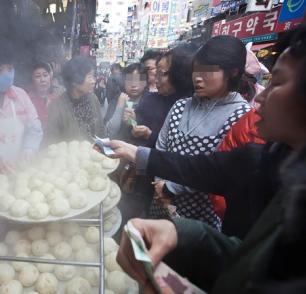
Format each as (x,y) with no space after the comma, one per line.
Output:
(20,129)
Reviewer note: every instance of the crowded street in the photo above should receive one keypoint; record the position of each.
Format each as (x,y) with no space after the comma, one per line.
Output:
(152,146)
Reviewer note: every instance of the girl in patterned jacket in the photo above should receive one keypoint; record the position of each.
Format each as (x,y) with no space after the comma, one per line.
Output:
(197,124)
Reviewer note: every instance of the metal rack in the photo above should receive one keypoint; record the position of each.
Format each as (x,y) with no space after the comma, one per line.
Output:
(83,222)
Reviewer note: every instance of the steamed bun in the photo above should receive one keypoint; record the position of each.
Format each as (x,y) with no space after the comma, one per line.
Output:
(28,275)
(47,284)
(78,285)
(7,273)
(11,287)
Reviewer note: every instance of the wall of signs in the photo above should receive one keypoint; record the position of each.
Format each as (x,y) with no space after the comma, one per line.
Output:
(159,24)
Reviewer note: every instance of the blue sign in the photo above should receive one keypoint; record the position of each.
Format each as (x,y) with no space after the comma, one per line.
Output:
(262,38)
(292,9)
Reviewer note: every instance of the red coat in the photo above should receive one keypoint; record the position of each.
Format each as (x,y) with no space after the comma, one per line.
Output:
(241,133)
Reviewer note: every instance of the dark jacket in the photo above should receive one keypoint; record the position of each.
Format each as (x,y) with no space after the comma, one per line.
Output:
(248,177)
(151,112)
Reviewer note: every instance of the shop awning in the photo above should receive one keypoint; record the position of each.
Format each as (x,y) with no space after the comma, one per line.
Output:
(258,47)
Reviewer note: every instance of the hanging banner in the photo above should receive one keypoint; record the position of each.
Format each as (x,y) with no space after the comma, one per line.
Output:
(292,9)
(259,5)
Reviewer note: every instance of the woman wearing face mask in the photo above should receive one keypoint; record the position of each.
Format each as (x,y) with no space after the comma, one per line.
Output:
(196,125)
(41,92)
(76,114)
(20,128)
(250,179)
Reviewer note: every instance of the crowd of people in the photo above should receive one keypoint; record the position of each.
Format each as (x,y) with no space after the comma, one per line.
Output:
(213,163)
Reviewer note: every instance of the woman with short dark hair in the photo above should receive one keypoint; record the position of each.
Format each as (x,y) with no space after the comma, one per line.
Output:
(77,114)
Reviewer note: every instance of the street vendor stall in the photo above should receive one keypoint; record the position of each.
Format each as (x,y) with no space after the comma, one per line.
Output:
(60,214)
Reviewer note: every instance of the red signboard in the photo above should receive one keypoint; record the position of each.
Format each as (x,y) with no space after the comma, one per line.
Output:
(256,24)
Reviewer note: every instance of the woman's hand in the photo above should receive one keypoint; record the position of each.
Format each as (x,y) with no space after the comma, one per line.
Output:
(123,98)
(160,236)
(128,114)
(141,131)
(159,195)
(123,150)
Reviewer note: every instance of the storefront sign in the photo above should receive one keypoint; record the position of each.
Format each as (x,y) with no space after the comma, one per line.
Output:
(254,25)
(292,9)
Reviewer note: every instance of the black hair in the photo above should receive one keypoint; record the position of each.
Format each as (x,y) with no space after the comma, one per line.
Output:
(139,67)
(295,40)
(41,64)
(7,55)
(180,71)
(75,70)
(116,66)
(151,54)
(228,53)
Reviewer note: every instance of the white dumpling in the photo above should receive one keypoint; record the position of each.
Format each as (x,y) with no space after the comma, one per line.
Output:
(114,191)
(120,282)
(98,183)
(67,176)
(38,211)
(64,272)
(22,192)
(111,263)
(54,226)
(53,237)
(86,254)
(55,194)
(78,200)
(12,237)
(81,180)
(41,176)
(36,197)
(110,245)
(28,275)
(62,146)
(78,285)
(59,207)
(84,163)
(7,273)
(11,287)
(96,156)
(60,183)
(74,145)
(35,182)
(46,267)
(36,233)
(40,247)
(92,275)
(52,151)
(47,283)
(46,188)
(94,168)
(92,235)
(19,208)
(72,188)
(108,225)
(70,228)
(23,246)
(109,163)
(6,202)
(18,265)
(62,251)
(3,249)
(85,145)
(78,242)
